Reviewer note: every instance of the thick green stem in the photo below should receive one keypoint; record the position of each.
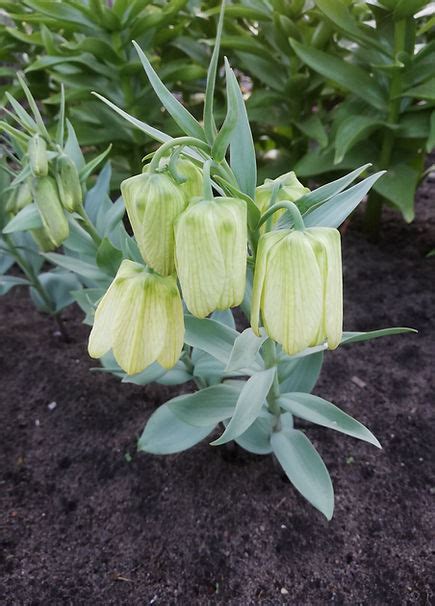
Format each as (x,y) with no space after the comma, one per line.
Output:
(374,206)
(88,226)
(183,141)
(270,360)
(298,222)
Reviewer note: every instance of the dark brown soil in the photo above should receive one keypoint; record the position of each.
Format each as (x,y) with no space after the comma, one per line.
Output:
(84,524)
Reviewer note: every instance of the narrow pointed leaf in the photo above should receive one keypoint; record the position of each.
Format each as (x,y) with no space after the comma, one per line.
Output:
(182,117)
(91,272)
(226,132)
(320,411)
(304,468)
(357,337)
(60,131)
(165,433)
(89,168)
(338,208)
(346,75)
(210,336)
(300,374)
(27,218)
(209,123)
(35,111)
(245,350)
(242,150)
(249,404)
(324,193)
(205,407)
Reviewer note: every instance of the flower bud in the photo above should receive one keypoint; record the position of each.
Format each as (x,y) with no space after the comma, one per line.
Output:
(42,240)
(153,202)
(291,189)
(24,196)
(140,318)
(298,288)
(50,210)
(210,251)
(19,197)
(68,184)
(193,185)
(37,152)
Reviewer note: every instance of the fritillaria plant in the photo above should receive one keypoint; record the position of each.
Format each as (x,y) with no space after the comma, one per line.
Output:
(208,241)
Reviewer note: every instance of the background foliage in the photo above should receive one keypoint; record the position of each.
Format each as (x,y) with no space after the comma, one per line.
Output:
(330,84)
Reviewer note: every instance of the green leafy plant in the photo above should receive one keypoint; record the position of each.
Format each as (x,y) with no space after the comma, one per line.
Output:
(42,188)
(87,46)
(336,84)
(201,225)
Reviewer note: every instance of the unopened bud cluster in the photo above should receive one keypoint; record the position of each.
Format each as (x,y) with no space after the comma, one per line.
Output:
(54,186)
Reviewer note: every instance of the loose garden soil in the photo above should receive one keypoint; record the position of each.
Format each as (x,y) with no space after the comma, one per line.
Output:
(87,520)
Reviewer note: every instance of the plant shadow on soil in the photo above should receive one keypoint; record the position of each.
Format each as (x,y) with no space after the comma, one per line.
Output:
(84,524)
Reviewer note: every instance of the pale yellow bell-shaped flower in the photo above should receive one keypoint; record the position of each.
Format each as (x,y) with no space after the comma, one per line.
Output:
(153,202)
(298,288)
(210,252)
(291,189)
(140,318)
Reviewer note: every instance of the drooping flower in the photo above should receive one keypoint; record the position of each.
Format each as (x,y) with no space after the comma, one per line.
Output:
(50,210)
(298,288)
(210,250)
(37,153)
(140,318)
(68,183)
(153,202)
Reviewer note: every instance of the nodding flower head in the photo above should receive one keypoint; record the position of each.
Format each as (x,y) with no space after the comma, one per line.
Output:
(140,318)
(298,288)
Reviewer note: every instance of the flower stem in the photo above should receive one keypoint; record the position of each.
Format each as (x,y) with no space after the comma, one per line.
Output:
(183,141)
(88,226)
(270,361)
(298,222)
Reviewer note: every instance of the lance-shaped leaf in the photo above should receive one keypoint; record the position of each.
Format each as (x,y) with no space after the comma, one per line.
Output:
(182,117)
(338,208)
(300,374)
(91,272)
(256,438)
(352,130)
(346,75)
(209,123)
(249,404)
(225,134)
(89,167)
(320,411)
(205,407)
(322,194)
(356,337)
(154,133)
(304,468)
(27,218)
(242,151)
(398,186)
(341,17)
(32,104)
(165,433)
(245,351)
(210,336)
(8,282)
